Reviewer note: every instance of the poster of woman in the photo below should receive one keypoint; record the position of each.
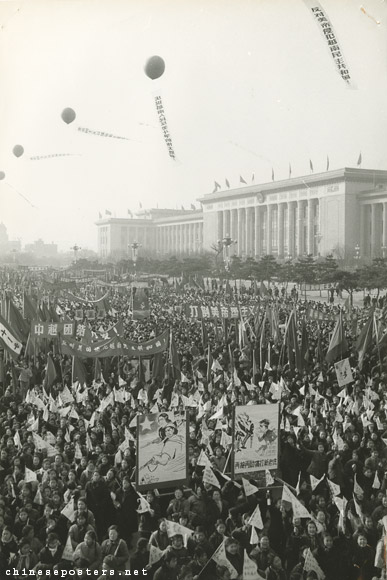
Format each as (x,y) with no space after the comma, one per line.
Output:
(255,438)
(161,450)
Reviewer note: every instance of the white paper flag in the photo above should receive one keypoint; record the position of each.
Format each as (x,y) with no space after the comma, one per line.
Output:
(209,477)
(269,478)
(219,556)
(256,519)
(312,564)
(68,551)
(250,570)
(248,487)
(30,475)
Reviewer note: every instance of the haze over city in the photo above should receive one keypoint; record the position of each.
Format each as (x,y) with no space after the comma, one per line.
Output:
(249,87)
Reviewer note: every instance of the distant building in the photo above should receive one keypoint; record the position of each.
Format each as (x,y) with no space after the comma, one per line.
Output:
(7,245)
(41,249)
(342,211)
(159,231)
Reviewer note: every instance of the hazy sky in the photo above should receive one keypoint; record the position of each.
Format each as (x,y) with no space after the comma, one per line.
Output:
(248,85)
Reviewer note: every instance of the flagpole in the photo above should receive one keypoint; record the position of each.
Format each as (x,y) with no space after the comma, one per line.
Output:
(228,457)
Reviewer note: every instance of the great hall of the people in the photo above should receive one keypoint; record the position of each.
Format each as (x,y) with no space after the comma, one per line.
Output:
(342,211)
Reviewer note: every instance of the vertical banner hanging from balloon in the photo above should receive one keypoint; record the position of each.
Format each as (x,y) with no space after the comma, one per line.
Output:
(154,69)
(326,28)
(164,126)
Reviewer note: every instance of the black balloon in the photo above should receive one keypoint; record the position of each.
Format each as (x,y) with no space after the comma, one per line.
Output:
(68,115)
(2,175)
(18,150)
(154,67)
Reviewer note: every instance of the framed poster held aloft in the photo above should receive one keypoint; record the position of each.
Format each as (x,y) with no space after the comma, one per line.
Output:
(256,439)
(162,458)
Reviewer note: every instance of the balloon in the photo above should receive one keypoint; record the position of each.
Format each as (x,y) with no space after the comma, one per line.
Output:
(68,115)
(18,150)
(154,67)
(2,175)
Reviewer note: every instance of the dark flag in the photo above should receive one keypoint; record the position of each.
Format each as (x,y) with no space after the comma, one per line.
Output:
(174,359)
(78,371)
(50,376)
(338,345)
(242,180)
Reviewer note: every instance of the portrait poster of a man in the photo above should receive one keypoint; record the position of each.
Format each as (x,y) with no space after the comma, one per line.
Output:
(161,450)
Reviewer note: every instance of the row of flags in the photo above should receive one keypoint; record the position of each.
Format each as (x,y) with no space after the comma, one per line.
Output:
(243,181)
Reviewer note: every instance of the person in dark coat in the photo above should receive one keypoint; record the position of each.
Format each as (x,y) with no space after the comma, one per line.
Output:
(50,555)
(363,558)
(100,503)
(140,558)
(125,503)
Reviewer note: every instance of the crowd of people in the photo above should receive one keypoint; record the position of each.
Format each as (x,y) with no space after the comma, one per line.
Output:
(68,498)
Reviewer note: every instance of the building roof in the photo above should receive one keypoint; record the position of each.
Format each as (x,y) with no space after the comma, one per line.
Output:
(345,174)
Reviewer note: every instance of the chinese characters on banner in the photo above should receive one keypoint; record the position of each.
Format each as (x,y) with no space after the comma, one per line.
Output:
(198,311)
(343,372)
(326,28)
(101,134)
(52,329)
(162,459)
(115,346)
(255,441)
(164,126)
(38,157)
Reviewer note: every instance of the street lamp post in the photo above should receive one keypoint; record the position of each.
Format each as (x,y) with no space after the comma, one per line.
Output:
(227,242)
(76,250)
(135,247)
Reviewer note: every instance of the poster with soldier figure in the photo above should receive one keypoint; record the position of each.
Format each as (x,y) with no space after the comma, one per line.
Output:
(255,442)
(161,450)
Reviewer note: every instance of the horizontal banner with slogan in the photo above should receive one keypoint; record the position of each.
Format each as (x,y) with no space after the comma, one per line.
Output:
(51,329)
(74,298)
(115,347)
(199,311)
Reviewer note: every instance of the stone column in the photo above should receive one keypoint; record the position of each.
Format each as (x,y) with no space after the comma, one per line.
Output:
(248,232)
(374,231)
(268,229)
(310,234)
(291,242)
(281,230)
(220,232)
(257,233)
(362,238)
(384,225)
(225,229)
(300,228)
(240,232)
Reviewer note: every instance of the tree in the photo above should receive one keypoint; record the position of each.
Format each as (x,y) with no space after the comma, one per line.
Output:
(305,270)
(268,268)
(349,281)
(326,270)
(374,275)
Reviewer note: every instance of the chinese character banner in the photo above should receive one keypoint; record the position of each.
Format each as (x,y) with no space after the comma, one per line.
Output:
(52,329)
(115,346)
